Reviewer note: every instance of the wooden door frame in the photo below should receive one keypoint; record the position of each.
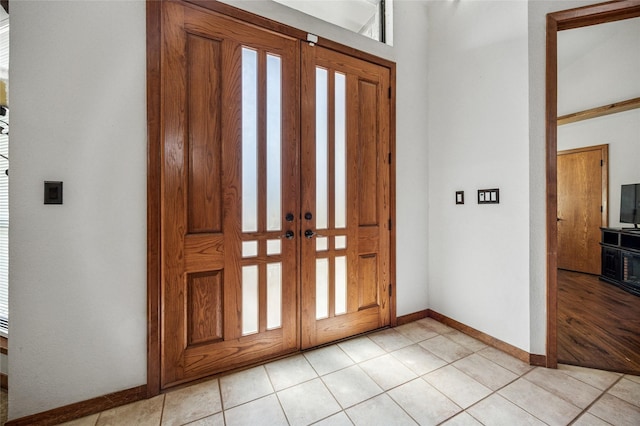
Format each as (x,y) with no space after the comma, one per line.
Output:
(154,160)
(559,21)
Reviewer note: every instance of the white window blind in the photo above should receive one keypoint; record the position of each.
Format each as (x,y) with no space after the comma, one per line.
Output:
(4,184)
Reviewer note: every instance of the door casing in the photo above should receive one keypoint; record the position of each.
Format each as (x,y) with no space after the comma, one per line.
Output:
(154,118)
(558,21)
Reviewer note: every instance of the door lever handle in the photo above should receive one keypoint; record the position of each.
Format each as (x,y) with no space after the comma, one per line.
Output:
(289,235)
(309,233)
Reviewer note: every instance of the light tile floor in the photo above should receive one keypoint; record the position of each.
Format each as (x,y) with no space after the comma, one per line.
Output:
(419,373)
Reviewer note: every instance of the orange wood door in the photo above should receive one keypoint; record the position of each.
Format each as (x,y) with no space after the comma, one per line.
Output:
(345,194)
(230,184)
(582,207)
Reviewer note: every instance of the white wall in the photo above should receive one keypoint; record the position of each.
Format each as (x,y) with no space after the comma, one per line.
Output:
(78,271)
(478,138)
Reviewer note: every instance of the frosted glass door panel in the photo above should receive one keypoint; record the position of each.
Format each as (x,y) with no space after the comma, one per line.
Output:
(249,249)
(274,101)
(322,150)
(274,247)
(249,140)
(341,285)
(322,288)
(249,299)
(274,295)
(340,148)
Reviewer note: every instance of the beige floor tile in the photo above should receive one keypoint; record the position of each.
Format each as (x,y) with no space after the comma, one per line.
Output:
(380,410)
(329,359)
(351,386)
(505,360)
(627,390)
(424,403)
(415,332)
(445,348)
(215,420)
(466,341)
(589,420)
(339,419)
(434,325)
(599,379)
(616,411)
(308,402)
(263,411)
(361,349)
(632,378)
(457,386)
(289,372)
(485,371)
(387,371)
(193,403)
(84,421)
(566,387)
(390,340)
(541,403)
(147,412)
(418,359)
(244,386)
(495,410)
(462,419)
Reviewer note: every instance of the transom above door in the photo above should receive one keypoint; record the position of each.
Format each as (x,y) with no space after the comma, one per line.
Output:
(275,203)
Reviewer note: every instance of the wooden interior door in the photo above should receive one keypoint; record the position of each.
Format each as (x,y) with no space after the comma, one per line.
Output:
(229,197)
(345,196)
(582,207)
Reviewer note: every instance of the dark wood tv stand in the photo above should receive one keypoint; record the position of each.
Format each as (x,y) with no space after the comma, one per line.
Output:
(621,258)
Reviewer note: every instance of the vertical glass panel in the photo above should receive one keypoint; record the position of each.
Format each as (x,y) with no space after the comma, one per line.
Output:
(322,149)
(322,243)
(341,242)
(273,247)
(341,285)
(340,151)
(249,248)
(274,295)
(249,299)
(274,100)
(322,288)
(249,140)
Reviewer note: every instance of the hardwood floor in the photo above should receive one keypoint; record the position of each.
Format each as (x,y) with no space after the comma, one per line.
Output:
(598,324)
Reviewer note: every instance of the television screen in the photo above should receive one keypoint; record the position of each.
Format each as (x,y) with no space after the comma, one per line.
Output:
(630,204)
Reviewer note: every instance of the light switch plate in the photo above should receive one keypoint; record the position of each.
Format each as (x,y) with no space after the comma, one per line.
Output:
(459,197)
(52,192)
(489,196)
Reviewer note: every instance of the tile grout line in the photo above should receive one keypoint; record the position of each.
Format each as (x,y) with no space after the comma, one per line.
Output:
(588,407)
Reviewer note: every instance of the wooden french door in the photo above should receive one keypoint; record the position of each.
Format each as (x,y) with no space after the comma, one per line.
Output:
(345,196)
(582,207)
(230,194)
(273,239)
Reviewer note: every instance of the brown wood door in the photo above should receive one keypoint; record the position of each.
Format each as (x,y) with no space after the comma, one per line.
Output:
(230,184)
(345,196)
(582,207)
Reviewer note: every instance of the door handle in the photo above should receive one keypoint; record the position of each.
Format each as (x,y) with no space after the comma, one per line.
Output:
(559,219)
(309,233)
(289,235)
